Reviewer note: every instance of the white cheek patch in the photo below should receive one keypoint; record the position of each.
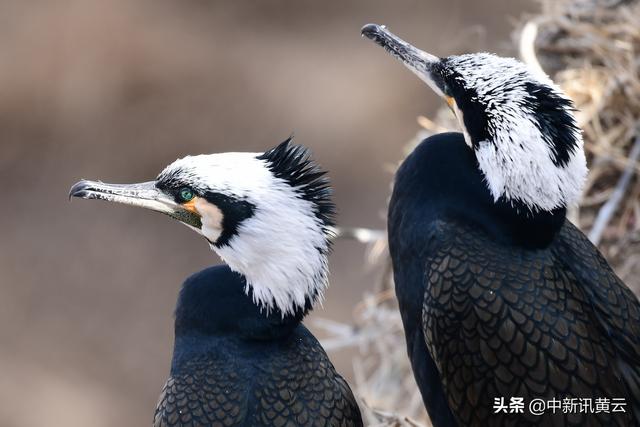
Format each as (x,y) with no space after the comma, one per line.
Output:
(211,217)
(281,250)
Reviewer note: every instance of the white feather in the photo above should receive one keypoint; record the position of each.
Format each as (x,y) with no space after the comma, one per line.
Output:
(518,162)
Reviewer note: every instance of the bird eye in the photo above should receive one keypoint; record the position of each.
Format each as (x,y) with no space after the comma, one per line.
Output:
(446,89)
(185,194)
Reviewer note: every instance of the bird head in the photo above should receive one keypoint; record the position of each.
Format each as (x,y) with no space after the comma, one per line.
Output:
(267,215)
(519,123)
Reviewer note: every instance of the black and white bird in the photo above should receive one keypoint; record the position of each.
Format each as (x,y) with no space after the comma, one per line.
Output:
(501,296)
(242,356)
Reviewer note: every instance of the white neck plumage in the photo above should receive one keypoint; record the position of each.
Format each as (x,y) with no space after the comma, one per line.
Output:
(518,165)
(283,255)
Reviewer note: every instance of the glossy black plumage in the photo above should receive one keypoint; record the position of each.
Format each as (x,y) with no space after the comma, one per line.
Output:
(236,365)
(499,302)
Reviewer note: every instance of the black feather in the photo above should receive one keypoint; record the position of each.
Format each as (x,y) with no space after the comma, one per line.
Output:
(293,164)
(555,121)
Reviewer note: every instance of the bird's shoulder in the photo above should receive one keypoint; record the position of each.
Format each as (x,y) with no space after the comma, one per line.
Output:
(616,306)
(269,383)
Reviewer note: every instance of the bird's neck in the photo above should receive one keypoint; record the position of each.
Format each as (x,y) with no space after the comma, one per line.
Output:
(442,179)
(216,302)
(514,223)
(283,269)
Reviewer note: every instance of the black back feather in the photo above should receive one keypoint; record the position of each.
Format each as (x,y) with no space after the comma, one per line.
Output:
(293,164)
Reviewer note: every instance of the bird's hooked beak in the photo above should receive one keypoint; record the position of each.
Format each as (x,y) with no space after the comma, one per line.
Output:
(145,195)
(421,63)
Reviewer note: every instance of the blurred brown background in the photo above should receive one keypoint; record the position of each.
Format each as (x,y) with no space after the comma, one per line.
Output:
(116,90)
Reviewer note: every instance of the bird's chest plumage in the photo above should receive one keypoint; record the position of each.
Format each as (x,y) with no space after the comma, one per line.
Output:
(290,384)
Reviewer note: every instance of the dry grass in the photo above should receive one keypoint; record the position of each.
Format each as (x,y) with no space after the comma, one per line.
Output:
(591,49)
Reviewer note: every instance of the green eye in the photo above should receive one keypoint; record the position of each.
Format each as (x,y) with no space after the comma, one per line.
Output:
(185,194)
(446,90)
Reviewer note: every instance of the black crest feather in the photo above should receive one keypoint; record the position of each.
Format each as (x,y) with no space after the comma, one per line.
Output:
(554,121)
(293,164)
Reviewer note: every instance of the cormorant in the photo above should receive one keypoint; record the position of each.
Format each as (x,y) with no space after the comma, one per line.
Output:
(503,300)
(241,355)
